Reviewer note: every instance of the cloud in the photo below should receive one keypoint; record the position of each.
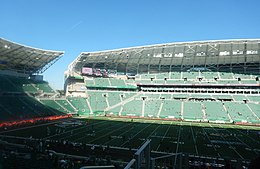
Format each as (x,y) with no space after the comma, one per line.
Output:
(74,26)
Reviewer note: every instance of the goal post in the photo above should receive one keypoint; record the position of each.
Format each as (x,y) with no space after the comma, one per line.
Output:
(142,157)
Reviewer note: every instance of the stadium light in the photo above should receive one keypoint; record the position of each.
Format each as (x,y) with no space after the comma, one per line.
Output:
(7,47)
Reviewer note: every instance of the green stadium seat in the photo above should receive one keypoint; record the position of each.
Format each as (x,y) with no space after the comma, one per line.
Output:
(102,82)
(255,108)
(132,108)
(175,75)
(215,111)
(25,107)
(53,104)
(65,104)
(226,75)
(113,99)
(117,82)
(190,75)
(209,75)
(239,112)
(80,104)
(253,98)
(97,100)
(192,111)
(162,76)
(152,107)
(44,87)
(239,97)
(171,109)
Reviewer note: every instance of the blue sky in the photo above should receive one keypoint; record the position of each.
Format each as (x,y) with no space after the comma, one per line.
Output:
(75,26)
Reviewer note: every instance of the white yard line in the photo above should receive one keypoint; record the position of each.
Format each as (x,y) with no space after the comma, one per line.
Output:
(164,135)
(194,140)
(153,131)
(106,143)
(177,147)
(105,134)
(135,135)
(246,135)
(242,141)
(71,131)
(228,143)
(209,140)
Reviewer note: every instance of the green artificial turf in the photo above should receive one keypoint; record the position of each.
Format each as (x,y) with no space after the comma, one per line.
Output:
(202,139)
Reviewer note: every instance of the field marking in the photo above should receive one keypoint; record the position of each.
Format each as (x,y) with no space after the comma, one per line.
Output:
(242,141)
(122,145)
(111,131)
(75,129)
(85,131)
(144,120)
(100,131)
(228,143)
(153,131)
(177,147)
(247,135)
(121,134)
(194,140)
(164,135)
(213,145)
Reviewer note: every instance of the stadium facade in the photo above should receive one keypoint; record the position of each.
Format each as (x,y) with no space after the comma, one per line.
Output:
(216,81)
(209,82)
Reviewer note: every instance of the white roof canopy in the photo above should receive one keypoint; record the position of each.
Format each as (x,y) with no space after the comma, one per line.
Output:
(29,60)
(170,55)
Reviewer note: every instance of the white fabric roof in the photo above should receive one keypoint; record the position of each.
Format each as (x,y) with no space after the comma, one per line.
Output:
(29,60)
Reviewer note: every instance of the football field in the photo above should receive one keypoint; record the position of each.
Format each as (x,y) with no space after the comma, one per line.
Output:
(199,139)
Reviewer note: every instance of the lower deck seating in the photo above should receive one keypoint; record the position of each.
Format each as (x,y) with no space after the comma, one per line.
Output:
(80,104)
(98,100)
(23,107)
(44,87)
(239,97)
(254,98)
(171,109)
(221,97)
(255,109)
(53,104)
(133,108)
(66,105)
(212,107)
(152,107)
(215,111)
(166,96)
(127,95)
(192,111)
(113,99)
(150,95)
(239,112)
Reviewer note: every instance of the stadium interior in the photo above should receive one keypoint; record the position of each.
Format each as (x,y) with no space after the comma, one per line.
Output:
(216,81)
(198,88)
